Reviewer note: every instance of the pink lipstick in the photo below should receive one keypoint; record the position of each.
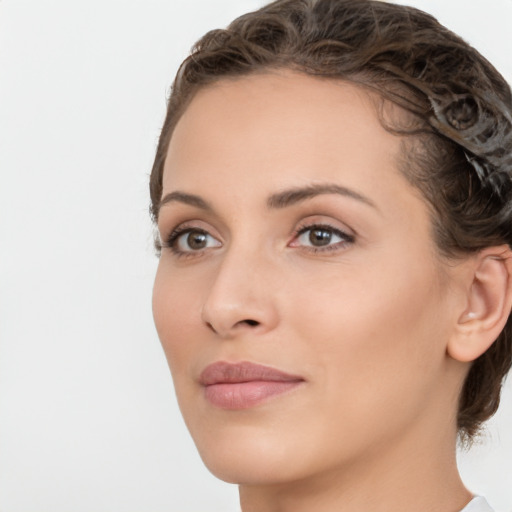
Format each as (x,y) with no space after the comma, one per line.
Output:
(244,385)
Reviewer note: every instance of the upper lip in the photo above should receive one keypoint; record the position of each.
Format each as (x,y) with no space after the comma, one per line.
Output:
(223,372)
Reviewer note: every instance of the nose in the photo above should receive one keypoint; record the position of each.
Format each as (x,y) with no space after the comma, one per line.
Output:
(242,296)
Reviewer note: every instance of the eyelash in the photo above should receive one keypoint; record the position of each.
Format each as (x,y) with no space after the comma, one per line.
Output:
(347,239)
(171,241)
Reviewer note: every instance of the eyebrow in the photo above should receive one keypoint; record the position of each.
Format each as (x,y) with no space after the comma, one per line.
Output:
(183,197)
(298,194)
(278,200)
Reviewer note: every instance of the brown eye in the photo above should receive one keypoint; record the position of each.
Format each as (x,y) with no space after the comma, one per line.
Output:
(192,240)
(196,240)
(320,236)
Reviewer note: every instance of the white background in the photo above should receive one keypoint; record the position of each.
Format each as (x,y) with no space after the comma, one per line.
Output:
(88,419)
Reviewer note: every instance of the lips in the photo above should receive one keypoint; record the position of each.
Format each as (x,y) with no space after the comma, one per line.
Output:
(244,385)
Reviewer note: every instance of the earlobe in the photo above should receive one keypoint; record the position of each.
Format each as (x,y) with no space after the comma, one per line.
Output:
(488,304)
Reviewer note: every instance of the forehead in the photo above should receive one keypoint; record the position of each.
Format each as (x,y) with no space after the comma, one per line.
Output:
(281,129)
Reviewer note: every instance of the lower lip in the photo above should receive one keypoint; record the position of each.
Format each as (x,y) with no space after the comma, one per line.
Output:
(243,395)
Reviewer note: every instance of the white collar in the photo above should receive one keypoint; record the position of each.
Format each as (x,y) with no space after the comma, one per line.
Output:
(477,504)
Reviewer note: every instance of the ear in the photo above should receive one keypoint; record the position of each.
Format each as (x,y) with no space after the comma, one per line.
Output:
(488,304)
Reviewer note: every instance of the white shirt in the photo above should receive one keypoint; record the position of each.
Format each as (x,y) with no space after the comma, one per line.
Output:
(477,504)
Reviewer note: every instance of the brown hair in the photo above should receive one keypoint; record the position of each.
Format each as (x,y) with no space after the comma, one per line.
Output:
(459,154)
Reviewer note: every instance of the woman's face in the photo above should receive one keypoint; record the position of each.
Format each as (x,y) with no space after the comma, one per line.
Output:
(292,241)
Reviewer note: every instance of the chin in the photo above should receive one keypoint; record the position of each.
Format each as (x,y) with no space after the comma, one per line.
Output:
(250,457)
(250,470)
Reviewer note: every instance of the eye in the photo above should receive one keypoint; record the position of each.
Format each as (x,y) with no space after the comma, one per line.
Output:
(190,240)
(321,237)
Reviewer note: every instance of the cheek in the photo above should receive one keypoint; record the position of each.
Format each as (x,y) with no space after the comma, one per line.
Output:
(376,335)
(173,303)
(373,354)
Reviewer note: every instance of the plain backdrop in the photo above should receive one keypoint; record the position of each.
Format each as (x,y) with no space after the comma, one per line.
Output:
(88,418)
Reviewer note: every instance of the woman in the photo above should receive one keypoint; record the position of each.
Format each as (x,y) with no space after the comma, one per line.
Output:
(333,195)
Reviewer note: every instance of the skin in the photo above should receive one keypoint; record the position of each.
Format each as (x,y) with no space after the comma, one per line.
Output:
(366,321)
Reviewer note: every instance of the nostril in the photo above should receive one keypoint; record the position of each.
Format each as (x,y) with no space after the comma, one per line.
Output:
(210,326)
(226,330)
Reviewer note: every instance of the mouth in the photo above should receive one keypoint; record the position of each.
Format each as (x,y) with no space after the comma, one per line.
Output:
(244,385)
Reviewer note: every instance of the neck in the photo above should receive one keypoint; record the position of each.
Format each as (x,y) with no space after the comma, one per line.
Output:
(404,475)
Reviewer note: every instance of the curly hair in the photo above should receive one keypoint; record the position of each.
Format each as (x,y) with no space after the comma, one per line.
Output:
(457,152)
